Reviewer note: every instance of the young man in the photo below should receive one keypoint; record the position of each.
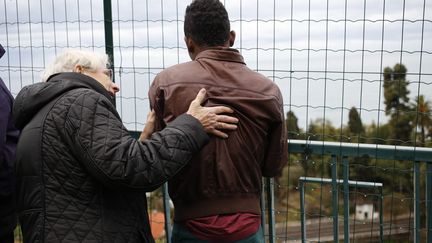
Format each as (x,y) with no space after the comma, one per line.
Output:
(80,176)
(217,196)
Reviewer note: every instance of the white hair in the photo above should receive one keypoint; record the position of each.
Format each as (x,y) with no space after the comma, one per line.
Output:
(66,61)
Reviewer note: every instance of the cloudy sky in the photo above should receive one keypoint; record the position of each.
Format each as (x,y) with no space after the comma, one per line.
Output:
(326,56)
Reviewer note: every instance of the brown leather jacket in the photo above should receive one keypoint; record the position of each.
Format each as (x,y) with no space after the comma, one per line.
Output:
(225,177)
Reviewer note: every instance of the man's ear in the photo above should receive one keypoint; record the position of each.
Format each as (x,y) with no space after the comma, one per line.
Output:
(232,36)
(190,44)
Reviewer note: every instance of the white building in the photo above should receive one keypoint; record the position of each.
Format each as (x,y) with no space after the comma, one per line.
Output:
(366,212)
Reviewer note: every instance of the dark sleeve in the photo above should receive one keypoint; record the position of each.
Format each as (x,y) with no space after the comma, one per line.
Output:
(4,118)
(157,103)
(103,145)
(277,150)
(8,141)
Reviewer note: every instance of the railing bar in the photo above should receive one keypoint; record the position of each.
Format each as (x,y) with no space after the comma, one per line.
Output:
(302,211)
(328,181)
(167,214)
(429,201)
(381,217)
(373,218)
(335,199)
(417,217)
(262,202)
(345,145)
(346,198)
(355,218)
(412,204)
(354,149)
(270,209)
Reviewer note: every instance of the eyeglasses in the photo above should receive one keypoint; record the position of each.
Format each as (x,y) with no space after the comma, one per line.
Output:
(108,72)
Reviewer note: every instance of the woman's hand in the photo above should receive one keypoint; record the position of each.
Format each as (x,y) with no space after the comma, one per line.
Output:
(209,117)
(149,126)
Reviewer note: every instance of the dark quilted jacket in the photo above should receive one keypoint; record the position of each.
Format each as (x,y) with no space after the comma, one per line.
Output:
(81,176)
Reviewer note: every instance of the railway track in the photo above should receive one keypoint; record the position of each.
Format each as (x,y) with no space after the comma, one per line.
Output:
(366,231)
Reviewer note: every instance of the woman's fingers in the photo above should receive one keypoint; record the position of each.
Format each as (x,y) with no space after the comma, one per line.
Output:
(226,119)
(220,109)
(219,133)
(212,118)
(199,98)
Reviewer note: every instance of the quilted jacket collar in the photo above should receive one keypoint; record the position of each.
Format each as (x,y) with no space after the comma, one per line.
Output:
(34,97)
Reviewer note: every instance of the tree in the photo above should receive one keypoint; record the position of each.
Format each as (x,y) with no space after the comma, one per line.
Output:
(377,134)
(355,125)
(293,130)
(397,104)
(361,169)
(423,119)
(319,130)
(360,165)
(323,130)
(395,89)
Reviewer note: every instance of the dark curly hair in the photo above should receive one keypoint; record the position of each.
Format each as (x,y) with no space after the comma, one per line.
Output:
(207,22)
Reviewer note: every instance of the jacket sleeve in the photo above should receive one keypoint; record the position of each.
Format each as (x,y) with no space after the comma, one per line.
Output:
(157,102)
(277,150)
(103,145)
(8,140)
(4,118)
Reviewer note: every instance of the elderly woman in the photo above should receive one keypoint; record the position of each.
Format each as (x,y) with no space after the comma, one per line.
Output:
(81,176)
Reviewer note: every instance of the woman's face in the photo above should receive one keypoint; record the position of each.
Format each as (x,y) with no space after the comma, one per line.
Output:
(103,76)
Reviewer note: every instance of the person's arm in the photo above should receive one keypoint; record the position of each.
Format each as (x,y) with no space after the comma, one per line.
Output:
(4,118)
(149,127)
(8,139)
(211,118)
(103,145)
(277,149)
(157,101)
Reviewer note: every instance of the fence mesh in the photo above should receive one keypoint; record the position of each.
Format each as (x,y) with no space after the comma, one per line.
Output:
(349,71)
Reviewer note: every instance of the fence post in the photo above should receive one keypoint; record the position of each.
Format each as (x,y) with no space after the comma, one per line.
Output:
(429,200)
(381,216)
(417,201)
(302,211)
(335,198)
(346,198)
(262,201)
(109,43)
(167,212)
(270,209)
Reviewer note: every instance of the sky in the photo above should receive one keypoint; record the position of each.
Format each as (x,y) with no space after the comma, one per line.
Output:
(325,56)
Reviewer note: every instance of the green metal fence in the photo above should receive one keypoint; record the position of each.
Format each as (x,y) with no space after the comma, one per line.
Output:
(422,199)
(346,183)
(351,73)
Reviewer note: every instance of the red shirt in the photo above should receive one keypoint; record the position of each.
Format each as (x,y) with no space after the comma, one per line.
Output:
(224,228)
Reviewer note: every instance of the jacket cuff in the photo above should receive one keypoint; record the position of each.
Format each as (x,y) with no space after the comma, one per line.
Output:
(192,128)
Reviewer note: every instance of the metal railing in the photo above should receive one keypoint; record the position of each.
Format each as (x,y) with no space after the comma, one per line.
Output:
(344,150)
(334,182)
